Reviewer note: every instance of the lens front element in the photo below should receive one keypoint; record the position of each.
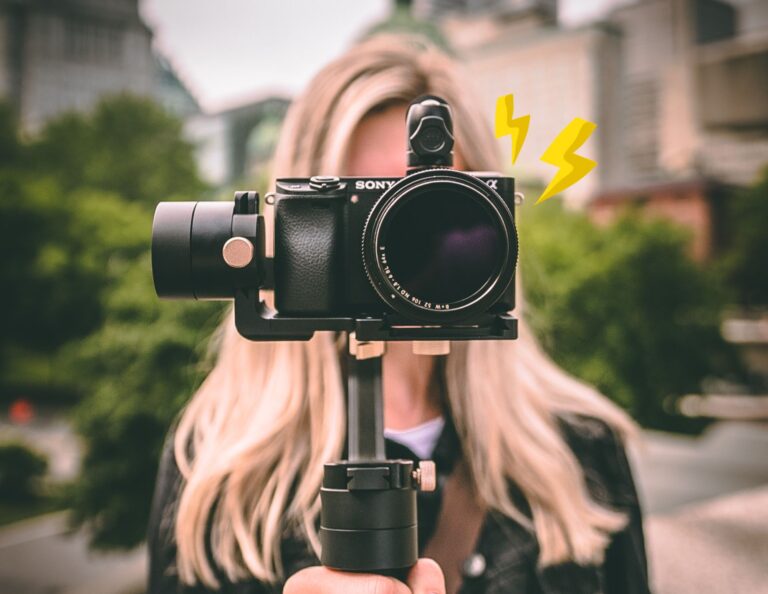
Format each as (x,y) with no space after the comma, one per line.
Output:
(442,245)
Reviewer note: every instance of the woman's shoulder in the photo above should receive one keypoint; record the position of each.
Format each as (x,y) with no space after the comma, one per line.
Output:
(588,435)
(600,449)
(167,485)
(160,529)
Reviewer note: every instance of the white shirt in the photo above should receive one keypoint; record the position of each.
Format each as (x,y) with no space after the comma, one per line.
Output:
(421,439)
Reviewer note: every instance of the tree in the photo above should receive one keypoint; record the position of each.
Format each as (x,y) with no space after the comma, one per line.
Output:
(20,472)
(58,258)
(622,307)
(127,146)
(75,227)
(139,369)
(744,260)
(76,209)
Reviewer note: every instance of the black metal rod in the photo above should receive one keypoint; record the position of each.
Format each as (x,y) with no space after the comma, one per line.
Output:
(365,414)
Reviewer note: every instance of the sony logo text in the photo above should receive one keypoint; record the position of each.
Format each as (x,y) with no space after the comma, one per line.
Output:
(370,184)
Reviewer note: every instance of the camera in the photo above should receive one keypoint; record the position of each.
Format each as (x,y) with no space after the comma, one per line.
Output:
(428,255)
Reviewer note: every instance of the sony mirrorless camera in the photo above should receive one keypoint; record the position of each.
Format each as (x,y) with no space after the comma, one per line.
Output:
(428,255)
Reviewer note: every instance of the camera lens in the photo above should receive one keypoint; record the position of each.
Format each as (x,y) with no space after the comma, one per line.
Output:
(440,245)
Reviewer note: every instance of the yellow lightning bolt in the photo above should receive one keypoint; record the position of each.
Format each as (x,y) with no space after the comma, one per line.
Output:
(562,153)
(517,128)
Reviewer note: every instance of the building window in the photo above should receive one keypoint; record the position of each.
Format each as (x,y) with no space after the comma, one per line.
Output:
(92,42)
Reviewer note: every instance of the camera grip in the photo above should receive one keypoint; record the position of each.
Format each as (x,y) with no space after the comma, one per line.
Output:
(308,256)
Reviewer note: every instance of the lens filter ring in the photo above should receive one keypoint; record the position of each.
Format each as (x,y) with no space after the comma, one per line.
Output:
(440,246)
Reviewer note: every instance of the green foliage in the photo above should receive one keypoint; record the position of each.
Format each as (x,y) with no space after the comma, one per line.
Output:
(143,366)
(11,151)
(75,229)
(128,146)
(744,261)
(20,471)
(59,256)
(16,511)
(76,211)
(622,307)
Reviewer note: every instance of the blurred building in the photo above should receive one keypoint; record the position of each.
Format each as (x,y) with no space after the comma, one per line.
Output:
(170,91)
(236,144)
(59,55)
(695,110)
(678,89)
(555,74)
(62,55)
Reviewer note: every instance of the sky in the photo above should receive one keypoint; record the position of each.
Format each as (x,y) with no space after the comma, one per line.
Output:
(228,52)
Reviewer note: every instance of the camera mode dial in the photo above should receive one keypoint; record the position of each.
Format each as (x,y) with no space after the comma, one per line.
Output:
(323,183)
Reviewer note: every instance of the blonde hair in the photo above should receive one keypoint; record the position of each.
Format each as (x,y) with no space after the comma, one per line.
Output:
(252,442)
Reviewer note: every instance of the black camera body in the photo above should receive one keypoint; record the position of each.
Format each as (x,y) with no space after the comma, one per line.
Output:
(321,265)
(427,256)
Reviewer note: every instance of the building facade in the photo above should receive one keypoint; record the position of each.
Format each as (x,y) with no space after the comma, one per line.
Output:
(678,90)
(694,101)
(236,144)
(60,55)
(555,74)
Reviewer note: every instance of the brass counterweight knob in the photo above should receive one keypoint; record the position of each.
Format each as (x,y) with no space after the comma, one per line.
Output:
(237,252)
(426,475)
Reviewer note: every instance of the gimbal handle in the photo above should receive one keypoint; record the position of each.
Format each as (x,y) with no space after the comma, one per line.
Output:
(368,520)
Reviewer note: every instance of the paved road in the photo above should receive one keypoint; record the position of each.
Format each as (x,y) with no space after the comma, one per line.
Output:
(720,546)
(39,557)
(673,470)
(706,502)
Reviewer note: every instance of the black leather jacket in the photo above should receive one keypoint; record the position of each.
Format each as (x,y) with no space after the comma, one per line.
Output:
(506,553)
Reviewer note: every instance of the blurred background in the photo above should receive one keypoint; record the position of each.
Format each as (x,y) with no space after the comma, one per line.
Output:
(649,278)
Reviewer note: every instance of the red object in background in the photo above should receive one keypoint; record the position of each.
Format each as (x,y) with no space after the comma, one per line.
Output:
(21,411)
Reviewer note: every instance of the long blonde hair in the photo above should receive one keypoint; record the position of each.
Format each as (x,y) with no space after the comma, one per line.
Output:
(252,442)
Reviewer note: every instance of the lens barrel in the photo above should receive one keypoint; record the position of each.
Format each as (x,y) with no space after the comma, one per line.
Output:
(440,246)
(171,264)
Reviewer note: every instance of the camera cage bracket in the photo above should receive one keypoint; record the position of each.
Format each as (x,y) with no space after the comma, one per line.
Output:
(255,320)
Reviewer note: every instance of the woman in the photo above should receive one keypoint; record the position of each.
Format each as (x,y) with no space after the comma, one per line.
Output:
(236,505)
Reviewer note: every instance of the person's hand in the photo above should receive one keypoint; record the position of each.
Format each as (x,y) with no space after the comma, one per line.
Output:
(425,577)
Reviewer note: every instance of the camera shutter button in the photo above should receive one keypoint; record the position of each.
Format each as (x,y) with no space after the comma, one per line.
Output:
(324,182)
